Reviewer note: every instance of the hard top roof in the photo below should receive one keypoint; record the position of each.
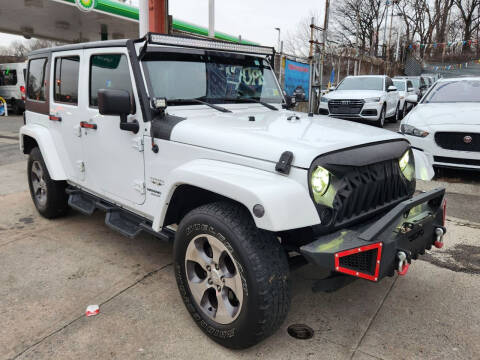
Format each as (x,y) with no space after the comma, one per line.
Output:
(87,45)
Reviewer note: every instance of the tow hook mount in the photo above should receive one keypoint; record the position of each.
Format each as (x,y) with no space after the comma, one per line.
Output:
(439,232)
(403,263)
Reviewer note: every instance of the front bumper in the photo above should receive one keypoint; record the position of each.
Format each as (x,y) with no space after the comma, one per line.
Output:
(375,250)
(369,112)
(444,158)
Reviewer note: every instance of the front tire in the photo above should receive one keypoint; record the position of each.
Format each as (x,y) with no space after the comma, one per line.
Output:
(381,119)
(232,276)
(48,195)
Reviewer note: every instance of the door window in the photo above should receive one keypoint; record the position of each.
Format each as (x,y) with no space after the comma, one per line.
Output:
(36,79)
(108,71)
(8,77)
(66,79)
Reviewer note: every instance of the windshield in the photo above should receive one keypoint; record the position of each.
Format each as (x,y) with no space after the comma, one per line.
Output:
(361,83)
(455,91)
(8,77)
(399,84)
(212,78)
(415,82)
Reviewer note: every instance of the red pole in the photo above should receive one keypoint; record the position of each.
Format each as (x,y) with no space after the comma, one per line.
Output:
(158,16)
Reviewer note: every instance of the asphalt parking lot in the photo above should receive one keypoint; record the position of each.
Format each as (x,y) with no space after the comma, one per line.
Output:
(51,270)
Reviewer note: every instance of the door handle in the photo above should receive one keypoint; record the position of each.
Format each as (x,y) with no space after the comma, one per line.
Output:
(55,118)
(87,125)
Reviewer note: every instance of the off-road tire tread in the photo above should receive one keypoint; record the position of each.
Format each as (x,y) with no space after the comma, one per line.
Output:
(57,199)
(270,264)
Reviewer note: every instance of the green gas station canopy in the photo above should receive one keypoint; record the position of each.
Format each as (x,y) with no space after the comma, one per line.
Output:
(62,20)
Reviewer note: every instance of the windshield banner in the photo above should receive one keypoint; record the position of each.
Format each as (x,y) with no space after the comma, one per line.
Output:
(297,79)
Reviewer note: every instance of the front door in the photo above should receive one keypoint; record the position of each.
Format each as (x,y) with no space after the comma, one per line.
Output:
(114,163)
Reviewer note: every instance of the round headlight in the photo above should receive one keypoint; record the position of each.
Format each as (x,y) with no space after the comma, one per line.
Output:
(320,181)
(407,165)
(404,160)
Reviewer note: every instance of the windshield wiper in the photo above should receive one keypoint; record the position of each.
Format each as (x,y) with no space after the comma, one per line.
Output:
(216,107)
(267,105)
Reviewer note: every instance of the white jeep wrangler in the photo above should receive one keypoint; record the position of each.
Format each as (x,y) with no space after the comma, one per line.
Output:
(192,141)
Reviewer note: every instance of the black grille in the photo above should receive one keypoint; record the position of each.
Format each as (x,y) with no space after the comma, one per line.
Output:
(458,141)
(364,191)
(345,107)
(362,262)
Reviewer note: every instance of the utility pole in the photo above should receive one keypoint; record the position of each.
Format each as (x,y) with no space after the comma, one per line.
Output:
(310,57)
(211,18)
(325,39)
(385,27)
(390,36)
(142,17)
(278,40)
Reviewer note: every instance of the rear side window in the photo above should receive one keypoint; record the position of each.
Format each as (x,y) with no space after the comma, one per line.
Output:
(36,79)
(109,71)
(8,77)
(66,79)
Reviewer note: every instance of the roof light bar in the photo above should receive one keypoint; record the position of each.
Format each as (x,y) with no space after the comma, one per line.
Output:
(209,44)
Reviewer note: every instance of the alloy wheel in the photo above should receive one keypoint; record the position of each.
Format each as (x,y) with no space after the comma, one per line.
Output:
(214,279)
(38,183)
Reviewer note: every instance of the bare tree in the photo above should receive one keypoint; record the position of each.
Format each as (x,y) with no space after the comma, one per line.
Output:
(21,49)
(298,42)
(470,19)
(358,23)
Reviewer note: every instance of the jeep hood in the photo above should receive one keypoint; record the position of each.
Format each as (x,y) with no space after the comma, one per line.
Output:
(272,133)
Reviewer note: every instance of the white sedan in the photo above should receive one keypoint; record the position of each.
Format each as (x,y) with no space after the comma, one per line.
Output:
(445,125)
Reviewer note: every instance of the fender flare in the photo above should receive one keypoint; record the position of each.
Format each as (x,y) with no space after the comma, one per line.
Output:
(47,146)
(287,203)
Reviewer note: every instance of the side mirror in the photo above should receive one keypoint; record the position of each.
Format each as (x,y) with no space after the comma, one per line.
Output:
(412,99)
(333,88)
(117,102)
(410,89)
(391,88)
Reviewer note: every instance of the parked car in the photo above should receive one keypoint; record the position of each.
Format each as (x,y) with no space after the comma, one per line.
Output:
(12,86)
(405,88)
(418,82)
(429,80)
(172,130)
(373,98)
(446,124)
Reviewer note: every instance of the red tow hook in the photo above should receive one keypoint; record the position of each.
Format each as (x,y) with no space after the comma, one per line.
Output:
(403,264)
(439,232)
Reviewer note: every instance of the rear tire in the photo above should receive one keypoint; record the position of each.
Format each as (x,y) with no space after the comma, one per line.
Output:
(48,195)
(218,242)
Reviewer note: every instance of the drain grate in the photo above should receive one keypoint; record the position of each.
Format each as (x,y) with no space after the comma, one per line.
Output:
(300,331)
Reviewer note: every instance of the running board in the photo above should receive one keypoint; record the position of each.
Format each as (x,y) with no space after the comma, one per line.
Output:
(117,218)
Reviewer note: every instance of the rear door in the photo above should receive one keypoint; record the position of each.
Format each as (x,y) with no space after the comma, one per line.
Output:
(65,110)
(113,157)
